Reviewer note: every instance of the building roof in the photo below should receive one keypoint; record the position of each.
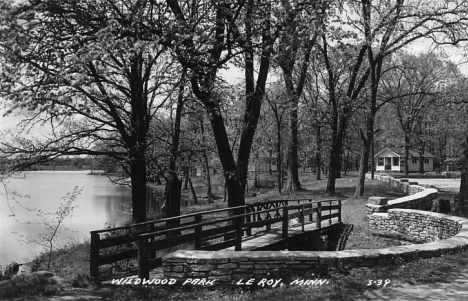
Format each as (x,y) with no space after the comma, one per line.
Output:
(400,152)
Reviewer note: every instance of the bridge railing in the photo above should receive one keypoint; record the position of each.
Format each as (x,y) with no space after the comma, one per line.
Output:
(208,230)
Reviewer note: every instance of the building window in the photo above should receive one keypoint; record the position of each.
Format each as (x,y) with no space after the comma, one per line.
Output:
(380,161)
(396,161)
(426,161)
(414,160)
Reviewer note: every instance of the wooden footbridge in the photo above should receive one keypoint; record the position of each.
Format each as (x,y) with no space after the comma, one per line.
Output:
(248,227)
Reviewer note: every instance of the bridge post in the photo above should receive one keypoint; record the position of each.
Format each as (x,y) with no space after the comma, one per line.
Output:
(319,215)
(339,211)
(198,232)
(152,255)
(239,233)
(311,218)
(302,217)
(94,256)
(248,219)
(285,223)
(143,260)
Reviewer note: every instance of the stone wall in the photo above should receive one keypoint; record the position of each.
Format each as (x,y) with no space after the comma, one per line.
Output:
(423,225)
(419,197)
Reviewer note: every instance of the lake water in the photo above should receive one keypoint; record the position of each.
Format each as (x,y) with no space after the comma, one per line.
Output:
(100,204)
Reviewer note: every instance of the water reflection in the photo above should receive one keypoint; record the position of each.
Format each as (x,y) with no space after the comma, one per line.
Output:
(100,204)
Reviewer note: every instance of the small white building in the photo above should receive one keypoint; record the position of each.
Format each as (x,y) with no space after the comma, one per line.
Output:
(394,160)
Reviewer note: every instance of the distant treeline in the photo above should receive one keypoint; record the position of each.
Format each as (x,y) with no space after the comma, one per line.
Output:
(76,163)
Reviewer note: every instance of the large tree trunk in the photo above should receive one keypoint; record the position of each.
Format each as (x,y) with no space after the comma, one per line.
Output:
(293,164)
(421,157)
(318,152)
(192,189)
(366,149)
(173,183)
(318,162)
(173,192)
(407,147)
(334,171)
(362,171)
(279,162)
(209,193)
(138,182)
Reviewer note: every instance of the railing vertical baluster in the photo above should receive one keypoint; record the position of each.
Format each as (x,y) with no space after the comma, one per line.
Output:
(239,233)
(319,215)
(285,223)
(94,255)
(198,232)
(302,218)
(143,260)
(152,254)
(268,227)
(311,218)
(248,219)
(339,211)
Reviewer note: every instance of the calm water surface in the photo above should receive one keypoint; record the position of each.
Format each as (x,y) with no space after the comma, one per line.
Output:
(101,203)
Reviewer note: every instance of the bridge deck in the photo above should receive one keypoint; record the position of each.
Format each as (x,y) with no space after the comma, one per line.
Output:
(274,235)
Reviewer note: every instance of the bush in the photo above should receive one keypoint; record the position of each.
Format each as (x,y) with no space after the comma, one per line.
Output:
(27,285)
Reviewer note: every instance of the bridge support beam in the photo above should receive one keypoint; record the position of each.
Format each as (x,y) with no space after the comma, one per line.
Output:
(285,223)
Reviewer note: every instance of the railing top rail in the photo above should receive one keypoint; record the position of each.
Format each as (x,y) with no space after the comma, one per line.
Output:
(166,231)
(209,212)
(170,219)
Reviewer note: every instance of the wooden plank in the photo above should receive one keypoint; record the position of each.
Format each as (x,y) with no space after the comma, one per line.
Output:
(220,246)
(328,208)
(217,232)
(108,259)
(330,216)
(171,242)
(116,241)
(295,215)
(233,232)
(128,238)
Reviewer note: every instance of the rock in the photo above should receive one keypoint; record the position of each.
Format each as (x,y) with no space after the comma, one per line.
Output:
(441,206)
(377,200)
(11,270)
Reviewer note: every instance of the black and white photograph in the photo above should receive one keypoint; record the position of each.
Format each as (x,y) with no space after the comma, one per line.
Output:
(233,150)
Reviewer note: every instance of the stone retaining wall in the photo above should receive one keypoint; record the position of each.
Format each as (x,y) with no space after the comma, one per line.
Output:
(428,226)
(419,197)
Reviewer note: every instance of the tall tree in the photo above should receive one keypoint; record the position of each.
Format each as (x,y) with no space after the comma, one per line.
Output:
(294,53)
(94,71)
(386,27)
(230,28)
(278,106)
